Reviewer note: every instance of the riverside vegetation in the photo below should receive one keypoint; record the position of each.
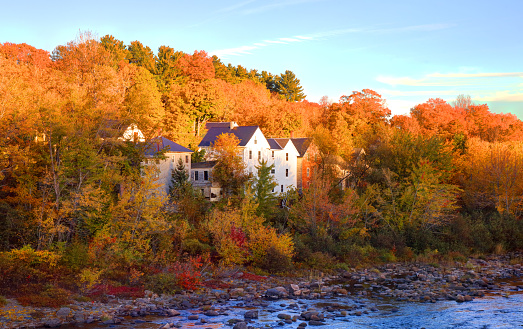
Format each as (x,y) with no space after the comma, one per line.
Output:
(79,219)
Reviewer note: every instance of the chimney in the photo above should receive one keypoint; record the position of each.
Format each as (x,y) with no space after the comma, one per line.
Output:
(232,124)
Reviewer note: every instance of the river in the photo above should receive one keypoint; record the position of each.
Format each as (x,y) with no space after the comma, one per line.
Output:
(493,311)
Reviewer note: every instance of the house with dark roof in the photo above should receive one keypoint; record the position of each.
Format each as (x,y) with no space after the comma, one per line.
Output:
(173,154)
(308,159)
(284,156)
(254,147)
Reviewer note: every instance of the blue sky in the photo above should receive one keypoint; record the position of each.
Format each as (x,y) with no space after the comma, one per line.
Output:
(408,51)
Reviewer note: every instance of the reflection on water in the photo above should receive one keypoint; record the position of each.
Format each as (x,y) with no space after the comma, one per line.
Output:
(488,312)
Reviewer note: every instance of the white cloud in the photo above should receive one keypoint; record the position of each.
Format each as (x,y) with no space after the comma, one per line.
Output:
(424,82)
(476,75)
(276,5)
(503,96)
(235,7)
(427,93)
(275,41)
(234,51)
(242,50)
(290,40)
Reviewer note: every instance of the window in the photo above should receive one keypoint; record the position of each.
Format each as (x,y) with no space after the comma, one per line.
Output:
(282,189)
(255,140)
(273,154)
(259,155)
(286,172)
(174,158)
(286,156)
(250,154)
(186,159)
(196,175)
(308,172)
(205,175)
(273,171)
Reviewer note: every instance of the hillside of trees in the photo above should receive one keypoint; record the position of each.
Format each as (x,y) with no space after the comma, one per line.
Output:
(77,209)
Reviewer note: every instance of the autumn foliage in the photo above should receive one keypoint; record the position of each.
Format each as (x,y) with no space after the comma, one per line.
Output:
(76,197)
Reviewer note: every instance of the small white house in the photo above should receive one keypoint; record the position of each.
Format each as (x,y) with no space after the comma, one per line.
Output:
(172,153)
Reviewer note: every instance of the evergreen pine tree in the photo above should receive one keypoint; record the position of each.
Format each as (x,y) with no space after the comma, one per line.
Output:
(179,180)
(289,86)
(264,185)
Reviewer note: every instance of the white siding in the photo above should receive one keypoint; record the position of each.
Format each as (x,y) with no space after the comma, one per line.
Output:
(167,165)
(286,159)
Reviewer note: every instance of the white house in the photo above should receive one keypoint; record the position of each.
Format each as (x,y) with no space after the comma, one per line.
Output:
(254,147)
(284,156)
(173,153)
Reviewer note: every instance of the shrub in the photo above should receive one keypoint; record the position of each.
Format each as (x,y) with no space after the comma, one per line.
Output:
(188,274)
(177,276)
(49,296)
(240,236)
(162,283)
(23,266)
(275,261)
(101,290)
(321,261)
(265,243)
(89,278)
(195,247)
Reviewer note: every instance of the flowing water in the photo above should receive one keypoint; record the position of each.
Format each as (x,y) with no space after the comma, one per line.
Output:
(492,311)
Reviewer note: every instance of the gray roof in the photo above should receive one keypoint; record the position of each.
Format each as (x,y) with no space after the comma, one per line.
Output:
(302,144)
(274,144)
(203,165)
(282,141)
(161,143)
(244,134)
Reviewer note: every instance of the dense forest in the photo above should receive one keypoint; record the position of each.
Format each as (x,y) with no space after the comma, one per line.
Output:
(77,208)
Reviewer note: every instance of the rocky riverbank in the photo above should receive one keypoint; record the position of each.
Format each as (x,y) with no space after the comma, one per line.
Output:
(350,293)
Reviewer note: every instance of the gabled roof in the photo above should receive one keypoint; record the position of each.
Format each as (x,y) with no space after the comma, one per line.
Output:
(244,134)
(282,142)
(273,144)
(302,144)
(203,165)
(161,143)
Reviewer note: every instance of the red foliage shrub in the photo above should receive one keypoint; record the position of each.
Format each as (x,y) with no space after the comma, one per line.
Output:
(117,291)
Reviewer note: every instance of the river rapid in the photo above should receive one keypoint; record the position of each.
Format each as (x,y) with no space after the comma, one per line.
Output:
(491,311)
